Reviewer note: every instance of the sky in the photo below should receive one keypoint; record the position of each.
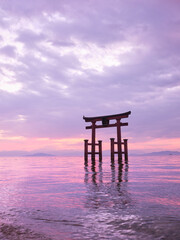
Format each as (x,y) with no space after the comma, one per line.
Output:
(60,60)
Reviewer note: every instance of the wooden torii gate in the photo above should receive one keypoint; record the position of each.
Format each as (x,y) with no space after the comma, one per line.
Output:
(105,123)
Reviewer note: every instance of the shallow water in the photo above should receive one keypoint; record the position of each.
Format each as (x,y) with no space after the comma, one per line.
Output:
(58,198)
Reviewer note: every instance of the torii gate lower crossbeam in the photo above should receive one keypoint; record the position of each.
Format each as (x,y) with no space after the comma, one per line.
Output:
(105,122)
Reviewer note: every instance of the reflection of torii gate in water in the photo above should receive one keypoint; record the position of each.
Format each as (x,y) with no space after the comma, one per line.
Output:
(106,123)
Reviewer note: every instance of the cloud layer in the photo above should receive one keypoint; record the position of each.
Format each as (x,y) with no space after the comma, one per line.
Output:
(60,60)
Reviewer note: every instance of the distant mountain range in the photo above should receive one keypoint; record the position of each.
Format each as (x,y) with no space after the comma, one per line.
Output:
(39,155)
(161,153)
(71,153)
(63,153)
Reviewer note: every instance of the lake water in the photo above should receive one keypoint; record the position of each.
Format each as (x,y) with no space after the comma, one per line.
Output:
(54,198)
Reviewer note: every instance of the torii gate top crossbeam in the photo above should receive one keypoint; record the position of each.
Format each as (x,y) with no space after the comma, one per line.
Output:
(107,117)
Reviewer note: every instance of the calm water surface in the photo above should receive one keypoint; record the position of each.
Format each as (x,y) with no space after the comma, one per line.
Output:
(58,198)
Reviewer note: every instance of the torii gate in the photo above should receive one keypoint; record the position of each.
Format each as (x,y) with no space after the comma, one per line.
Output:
(106,123)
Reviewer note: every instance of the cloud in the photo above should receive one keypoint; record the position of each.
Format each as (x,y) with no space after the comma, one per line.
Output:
(8,51)
(61,60)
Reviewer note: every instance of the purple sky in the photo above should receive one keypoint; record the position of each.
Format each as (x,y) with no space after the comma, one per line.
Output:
(60,60)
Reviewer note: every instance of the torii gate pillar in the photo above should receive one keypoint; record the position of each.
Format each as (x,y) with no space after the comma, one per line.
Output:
(106,123)
(119,145)
(93,140)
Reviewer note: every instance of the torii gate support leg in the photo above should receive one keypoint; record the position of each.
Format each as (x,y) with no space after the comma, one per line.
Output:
(112,149)
(100,150)
(86,151)
(126,150)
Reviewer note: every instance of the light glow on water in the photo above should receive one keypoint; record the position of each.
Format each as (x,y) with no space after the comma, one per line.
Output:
(61,198)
